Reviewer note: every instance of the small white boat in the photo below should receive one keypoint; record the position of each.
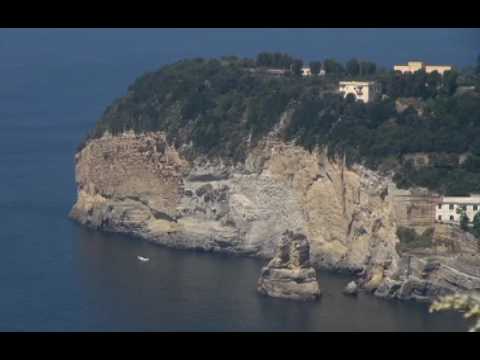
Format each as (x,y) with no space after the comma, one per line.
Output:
(141,258)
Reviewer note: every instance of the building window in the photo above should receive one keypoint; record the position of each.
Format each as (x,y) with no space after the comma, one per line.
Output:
(440,217)
(450,206)
(475,207)
(439,206)
(451,217)
(464,207)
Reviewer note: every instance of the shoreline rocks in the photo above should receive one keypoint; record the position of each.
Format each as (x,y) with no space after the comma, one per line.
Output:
(289,274)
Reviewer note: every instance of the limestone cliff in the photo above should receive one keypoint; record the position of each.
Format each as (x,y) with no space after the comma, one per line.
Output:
(141,185)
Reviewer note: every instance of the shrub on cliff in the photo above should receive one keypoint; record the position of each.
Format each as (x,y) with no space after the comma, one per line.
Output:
(476,226)
(464,221)
(410,240)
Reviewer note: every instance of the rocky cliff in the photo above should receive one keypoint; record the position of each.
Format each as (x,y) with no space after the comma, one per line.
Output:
(141,185)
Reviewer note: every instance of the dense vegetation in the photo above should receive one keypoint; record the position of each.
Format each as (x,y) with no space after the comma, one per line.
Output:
(410,240)
(223,106)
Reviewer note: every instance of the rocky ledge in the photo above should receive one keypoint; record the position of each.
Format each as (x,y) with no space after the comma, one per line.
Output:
(289,274)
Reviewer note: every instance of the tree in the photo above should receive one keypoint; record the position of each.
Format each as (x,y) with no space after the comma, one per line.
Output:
(464,220)
(472,163)
(331,66)
(315,67)
(367,68)
(350,98)
(433,81)
(450,82)
(476,225)
(353,67)
(274,60)
(371,68)
(277,59)
(246,62)
(477,69)
(264,59)
(297,67)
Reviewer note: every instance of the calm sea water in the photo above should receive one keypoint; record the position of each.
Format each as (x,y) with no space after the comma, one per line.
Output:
(56,275)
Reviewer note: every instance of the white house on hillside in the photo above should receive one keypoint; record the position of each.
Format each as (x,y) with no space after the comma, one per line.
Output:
(306,71)
(448,209)
(365,91)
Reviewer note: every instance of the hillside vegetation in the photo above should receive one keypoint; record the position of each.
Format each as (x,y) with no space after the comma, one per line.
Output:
(221,107)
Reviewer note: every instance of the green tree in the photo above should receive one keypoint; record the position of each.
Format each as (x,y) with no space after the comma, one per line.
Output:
(277,59)
(297,67)
(353,67)
(472,163)
(264,59)
(315,67)
(476,225)
(350,98)
(331,66)
(464,220)
(367,68)
(450,82)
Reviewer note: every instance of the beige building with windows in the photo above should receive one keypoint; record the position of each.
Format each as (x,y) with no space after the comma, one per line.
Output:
(413,66)
(365,91)
(448,209)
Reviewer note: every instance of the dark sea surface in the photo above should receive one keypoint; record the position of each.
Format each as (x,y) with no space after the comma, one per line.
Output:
(56,275)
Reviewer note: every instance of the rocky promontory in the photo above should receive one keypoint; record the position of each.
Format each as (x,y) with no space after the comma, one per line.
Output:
(205,155)
(289,274)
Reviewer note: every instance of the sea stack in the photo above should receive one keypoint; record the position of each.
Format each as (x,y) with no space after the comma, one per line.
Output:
(289,274)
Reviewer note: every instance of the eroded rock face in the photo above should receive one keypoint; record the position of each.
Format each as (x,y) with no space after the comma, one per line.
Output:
(141,185)
(289,274)
(424,278)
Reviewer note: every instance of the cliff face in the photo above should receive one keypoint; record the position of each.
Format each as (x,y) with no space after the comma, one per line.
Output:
(138,184)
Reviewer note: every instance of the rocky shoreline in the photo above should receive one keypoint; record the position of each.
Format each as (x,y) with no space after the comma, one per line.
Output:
(140,185)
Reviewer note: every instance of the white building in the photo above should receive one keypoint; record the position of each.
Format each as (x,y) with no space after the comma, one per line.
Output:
(414,66)
(365,91)
(448,210)
(306,71)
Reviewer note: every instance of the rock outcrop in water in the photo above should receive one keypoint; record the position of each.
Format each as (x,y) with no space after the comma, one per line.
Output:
(351,288)
(289,274)
(142,185)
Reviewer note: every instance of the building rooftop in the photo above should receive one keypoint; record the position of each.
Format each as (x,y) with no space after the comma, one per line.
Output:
(356,82)
(462,199)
